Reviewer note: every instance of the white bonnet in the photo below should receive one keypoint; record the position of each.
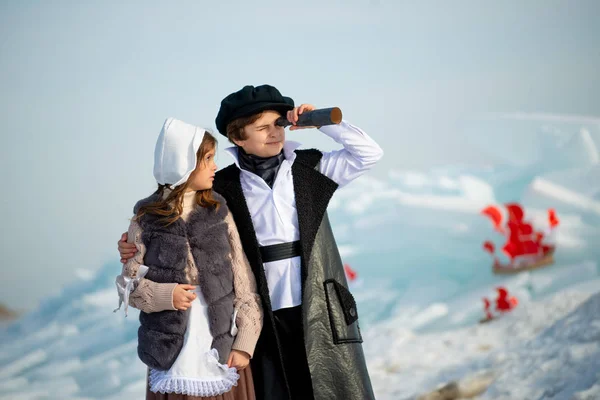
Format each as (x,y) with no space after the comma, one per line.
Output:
(175,152)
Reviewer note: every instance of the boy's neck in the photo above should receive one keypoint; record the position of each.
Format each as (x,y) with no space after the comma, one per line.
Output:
(264,167)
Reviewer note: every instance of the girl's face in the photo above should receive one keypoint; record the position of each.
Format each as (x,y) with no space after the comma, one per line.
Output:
(203,176)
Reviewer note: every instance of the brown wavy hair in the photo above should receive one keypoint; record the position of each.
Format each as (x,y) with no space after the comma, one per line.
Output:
(171,206)
(235,129)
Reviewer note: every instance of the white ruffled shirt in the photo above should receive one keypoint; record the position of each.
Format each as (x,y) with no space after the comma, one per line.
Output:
(273,210)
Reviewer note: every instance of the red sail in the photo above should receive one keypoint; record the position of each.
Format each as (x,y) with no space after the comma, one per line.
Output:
(552,218)
(503,302)
(513,246)
(515,211)
(530,247)
(521,240)
(512,250)
(539,236)
(526,229)
(489,247)
(486,308)
(486,303)
(350,273)
(494,214)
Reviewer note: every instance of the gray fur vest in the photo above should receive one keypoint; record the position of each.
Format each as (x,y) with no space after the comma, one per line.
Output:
(161,334)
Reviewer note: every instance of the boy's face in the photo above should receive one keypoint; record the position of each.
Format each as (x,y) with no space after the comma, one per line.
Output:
(263,137)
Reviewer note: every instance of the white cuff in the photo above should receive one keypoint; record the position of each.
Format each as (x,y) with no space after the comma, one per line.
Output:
(125,286)
(234,328)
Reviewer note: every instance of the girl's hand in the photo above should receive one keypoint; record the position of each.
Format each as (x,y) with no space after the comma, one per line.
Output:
(238,359)
(292,116)
(126,250)
(182,299)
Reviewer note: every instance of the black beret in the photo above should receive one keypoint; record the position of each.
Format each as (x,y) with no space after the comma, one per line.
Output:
(251,100)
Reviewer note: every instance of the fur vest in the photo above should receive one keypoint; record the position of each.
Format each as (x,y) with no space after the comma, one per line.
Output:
(161,334)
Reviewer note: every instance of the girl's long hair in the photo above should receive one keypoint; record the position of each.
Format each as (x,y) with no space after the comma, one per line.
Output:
(170,207)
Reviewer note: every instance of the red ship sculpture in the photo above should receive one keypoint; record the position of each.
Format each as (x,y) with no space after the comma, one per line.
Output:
(525,247)
(504,304)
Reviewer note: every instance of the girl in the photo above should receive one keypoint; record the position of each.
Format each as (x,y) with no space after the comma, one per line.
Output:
(200,314)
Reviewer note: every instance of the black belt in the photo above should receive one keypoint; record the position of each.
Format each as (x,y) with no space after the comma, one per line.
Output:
(281,251)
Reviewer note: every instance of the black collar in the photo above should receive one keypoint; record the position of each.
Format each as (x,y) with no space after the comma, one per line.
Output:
(265,167)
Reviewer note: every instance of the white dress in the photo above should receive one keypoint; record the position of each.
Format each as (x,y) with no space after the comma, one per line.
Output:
(196,371)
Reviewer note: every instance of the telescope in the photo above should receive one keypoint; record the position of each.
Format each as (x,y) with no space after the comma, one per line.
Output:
(320,117)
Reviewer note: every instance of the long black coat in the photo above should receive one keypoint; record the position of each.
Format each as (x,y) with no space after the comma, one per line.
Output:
(330,318)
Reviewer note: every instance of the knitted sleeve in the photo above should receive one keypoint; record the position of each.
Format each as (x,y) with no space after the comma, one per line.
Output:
(249,318)
(147,296)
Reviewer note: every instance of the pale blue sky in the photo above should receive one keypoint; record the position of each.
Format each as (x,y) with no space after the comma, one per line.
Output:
(86,85)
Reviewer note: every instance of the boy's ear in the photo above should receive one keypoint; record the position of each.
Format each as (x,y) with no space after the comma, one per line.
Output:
(238,142)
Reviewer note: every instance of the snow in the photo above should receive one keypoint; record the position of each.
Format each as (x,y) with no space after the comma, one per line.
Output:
(465,193)
(565,195)
(546,348)
(23,363)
